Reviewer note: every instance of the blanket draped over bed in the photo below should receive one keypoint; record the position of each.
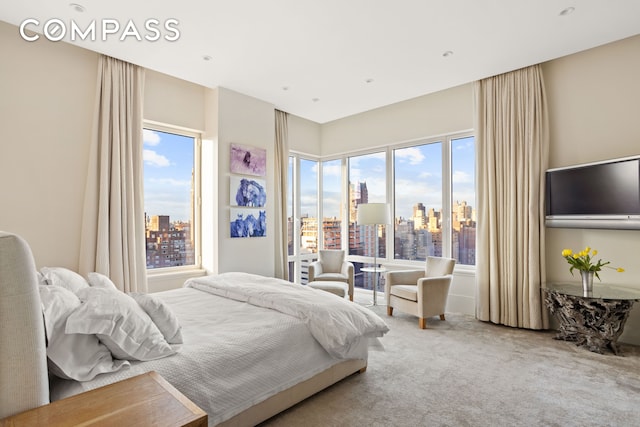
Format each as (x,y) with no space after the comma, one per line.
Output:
(337,324)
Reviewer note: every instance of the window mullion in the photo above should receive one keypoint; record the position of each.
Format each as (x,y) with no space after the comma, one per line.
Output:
(446,198)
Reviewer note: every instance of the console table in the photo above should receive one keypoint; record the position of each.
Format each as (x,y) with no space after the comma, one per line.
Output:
(593,319)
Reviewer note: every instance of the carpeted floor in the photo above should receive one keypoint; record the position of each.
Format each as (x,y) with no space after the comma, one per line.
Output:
(462,372)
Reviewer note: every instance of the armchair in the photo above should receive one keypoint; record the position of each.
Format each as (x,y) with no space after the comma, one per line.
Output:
(332,267)
(422,293)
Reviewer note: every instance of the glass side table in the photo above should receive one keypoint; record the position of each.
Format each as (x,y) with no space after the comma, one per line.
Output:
(593,319)
(376,271)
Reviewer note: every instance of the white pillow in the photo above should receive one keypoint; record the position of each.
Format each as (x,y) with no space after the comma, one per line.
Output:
(161,315)
(120,324)
(72,356)
(98,280)
(60,276)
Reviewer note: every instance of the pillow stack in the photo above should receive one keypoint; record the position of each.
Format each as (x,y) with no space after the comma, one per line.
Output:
(94,328)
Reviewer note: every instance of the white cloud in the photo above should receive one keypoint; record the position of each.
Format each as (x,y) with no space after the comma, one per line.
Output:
(171,182)
(460,177)
(152,158)
(150,137)
(331,170)
(412,154)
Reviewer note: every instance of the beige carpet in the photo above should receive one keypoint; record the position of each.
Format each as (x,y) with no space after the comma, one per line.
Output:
(462,372)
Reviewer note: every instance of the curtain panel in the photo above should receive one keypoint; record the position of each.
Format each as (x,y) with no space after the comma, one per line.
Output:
(113,235)
(512,157)
(281,167)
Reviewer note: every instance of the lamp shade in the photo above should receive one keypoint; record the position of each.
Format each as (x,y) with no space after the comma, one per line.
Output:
(373,213)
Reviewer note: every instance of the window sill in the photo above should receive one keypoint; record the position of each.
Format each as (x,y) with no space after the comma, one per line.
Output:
(167,279)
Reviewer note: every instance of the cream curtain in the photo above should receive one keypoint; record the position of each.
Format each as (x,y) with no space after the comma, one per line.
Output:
(281,166)
(512,149)
(113,236)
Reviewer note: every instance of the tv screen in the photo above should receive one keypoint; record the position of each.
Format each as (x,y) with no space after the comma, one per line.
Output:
(600,189)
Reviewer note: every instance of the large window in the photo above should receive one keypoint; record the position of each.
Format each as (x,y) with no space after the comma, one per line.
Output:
(434,191)
(367,184)
(171,187)
(429,184)
(418,201)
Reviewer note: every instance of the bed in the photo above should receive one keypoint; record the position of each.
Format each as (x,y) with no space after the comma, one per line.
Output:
(249,348)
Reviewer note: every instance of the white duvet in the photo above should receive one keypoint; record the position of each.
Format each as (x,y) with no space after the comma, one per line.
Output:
(337,324)
(235,354)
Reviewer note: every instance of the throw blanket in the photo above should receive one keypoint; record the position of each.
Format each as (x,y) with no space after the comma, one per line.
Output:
(337,324)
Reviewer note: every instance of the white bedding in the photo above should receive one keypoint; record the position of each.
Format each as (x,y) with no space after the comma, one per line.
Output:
(337,324)
(278,355)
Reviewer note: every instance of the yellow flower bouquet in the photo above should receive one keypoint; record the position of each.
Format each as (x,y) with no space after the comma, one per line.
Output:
(584,261)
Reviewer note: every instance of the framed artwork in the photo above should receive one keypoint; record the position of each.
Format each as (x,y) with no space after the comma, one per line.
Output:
(247,192)
(246,222)
(248,160)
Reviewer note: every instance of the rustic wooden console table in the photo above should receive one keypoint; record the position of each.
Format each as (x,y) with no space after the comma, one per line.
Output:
(594,319)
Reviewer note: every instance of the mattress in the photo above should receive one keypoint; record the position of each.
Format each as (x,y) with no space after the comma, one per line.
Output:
(234,355)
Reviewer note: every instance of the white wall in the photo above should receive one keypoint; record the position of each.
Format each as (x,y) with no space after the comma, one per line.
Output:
(442,112)
(244,120)
(172,101)
(304,135)
(47,93)
(594,105)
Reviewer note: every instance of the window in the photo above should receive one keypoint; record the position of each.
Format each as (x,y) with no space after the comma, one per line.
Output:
(463,199)
(308,206)
(367,184)
(434,191)
(171,190)
(418,201)
(302,216)
(429,184)
(332,204)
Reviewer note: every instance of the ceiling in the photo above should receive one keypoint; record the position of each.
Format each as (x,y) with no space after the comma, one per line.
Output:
(327,59)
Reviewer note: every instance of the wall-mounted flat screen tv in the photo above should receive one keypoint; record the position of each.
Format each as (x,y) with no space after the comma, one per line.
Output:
(595,195)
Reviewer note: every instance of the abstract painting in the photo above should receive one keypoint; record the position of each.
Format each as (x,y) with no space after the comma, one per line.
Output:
(247,192)
(248,222)
(248,160)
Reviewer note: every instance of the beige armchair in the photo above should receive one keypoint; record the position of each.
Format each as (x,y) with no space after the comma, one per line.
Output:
(332,267)
(422,293)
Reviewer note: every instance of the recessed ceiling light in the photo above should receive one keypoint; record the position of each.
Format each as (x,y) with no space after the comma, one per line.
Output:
(77,7)
(207,58)
(567,11)
(448,53)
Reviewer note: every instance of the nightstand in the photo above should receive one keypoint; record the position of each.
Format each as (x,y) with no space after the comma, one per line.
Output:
(144,400)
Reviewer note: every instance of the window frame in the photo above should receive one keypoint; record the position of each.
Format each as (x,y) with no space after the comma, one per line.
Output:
(447,188)
(197,196)
(297,258)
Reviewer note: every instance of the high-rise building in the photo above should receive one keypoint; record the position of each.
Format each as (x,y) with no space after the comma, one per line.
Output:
(167,244)
(419,217)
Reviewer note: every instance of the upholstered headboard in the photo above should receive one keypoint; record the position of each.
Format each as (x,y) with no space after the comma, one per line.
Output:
(23,360)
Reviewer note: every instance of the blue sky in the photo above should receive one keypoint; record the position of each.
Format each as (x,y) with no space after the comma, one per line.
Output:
(168,163)
(418,178)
